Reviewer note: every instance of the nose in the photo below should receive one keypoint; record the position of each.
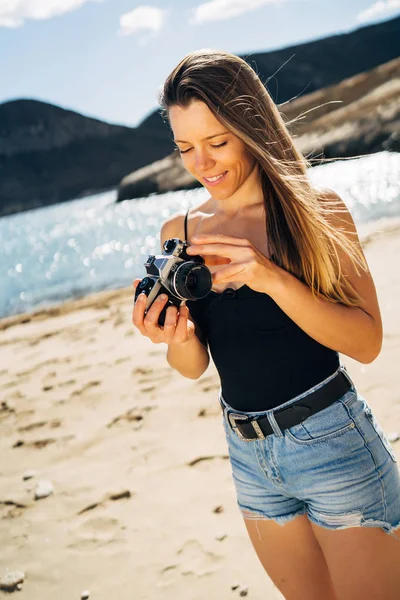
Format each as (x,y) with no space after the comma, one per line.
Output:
(203,163)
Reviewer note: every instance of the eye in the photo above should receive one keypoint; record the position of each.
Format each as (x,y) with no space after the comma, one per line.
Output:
(184,151)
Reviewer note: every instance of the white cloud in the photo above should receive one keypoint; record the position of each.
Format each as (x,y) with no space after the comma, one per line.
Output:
(13,13)
(147,19)
(220,10)
(378,9)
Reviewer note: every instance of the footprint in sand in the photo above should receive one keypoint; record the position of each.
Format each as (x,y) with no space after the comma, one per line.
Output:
(46,363)
(152,375)
(94,543)
(50,375)
(122,360)
(142,371)
(87,386)
(133,414)
(193,559)
(119,321)
(43,442)
(5,408)
(53,423)
(95,531)
(69,382)
(200,459)
(111,496)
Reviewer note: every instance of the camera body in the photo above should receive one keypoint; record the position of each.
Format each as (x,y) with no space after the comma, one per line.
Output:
(175,273)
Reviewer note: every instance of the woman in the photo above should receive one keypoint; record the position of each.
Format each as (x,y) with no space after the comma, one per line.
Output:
(316,479)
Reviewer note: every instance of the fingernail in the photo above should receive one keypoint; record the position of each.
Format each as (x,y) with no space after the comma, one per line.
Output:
(163,297)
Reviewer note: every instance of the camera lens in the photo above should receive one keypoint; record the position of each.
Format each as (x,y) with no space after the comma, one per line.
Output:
(192,281)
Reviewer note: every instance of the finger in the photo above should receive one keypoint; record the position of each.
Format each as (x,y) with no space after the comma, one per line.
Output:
(181,326)
(211,238)
(138,313)
(170,324)
(151,319)
(136,283)
(234,272)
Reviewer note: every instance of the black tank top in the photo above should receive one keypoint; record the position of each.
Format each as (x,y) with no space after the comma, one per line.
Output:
(263,357)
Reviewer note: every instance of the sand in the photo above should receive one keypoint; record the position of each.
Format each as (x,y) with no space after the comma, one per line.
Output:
(144,506)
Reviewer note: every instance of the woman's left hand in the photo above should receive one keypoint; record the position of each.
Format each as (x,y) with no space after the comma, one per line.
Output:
(246,264)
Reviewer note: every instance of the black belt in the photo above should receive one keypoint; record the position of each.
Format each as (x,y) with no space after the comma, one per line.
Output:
(251,429)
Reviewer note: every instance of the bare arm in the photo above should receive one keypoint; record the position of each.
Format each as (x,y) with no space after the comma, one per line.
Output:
(190,358)
(354,331)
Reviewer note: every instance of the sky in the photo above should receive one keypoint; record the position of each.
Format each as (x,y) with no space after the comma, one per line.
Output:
(108,58)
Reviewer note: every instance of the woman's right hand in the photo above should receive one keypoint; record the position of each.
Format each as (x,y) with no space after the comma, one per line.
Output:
(178,328)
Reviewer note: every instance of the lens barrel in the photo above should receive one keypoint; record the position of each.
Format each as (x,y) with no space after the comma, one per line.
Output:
(191,281)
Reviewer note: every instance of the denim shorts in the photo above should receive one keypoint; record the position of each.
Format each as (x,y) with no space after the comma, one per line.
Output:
(337,466)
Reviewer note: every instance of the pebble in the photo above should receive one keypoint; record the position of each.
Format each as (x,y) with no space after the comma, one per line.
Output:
(235,585)
(12,580)
(44,488)
(393,436)
(85,595)
(243,591)
(29,474)
(220,536)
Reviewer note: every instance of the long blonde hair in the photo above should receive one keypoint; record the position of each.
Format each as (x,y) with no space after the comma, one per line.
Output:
(300,236)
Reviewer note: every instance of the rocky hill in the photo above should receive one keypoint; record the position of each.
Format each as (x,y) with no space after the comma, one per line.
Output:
(49,155)
(304,68)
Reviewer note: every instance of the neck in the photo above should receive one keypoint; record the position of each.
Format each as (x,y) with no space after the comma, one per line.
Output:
(248,197)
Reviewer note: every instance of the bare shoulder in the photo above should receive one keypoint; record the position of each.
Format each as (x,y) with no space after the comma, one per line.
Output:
(362,282)
(337,211)
(173,227)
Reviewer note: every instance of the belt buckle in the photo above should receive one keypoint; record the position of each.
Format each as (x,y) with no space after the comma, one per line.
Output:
(233,417)
(344,371)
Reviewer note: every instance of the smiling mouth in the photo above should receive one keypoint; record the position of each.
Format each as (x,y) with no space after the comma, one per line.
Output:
(215,178)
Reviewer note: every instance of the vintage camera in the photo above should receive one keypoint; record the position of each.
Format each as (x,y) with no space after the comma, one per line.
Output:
(175,273)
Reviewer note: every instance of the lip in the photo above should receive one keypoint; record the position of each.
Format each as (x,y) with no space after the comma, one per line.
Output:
(218,180)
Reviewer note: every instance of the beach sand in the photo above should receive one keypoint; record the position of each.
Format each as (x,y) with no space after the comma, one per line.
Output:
(144,506)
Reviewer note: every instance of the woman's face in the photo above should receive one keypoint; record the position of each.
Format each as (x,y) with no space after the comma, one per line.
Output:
(222,154)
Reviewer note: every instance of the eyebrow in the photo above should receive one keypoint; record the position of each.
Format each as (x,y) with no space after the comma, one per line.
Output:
(206,138)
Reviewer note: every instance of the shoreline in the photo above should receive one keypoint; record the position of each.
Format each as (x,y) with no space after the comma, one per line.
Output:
(368,234)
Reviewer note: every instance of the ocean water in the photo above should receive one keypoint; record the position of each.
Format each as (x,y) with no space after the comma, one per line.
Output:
(50,254)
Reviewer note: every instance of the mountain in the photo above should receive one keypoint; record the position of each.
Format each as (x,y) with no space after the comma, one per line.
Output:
(304,68)
(359,115)
(49,154)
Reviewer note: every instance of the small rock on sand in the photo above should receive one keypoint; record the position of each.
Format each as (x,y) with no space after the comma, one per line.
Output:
(43,489)
(12,580)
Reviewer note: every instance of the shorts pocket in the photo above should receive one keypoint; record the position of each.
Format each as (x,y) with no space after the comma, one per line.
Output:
(328,423)
(381,434)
